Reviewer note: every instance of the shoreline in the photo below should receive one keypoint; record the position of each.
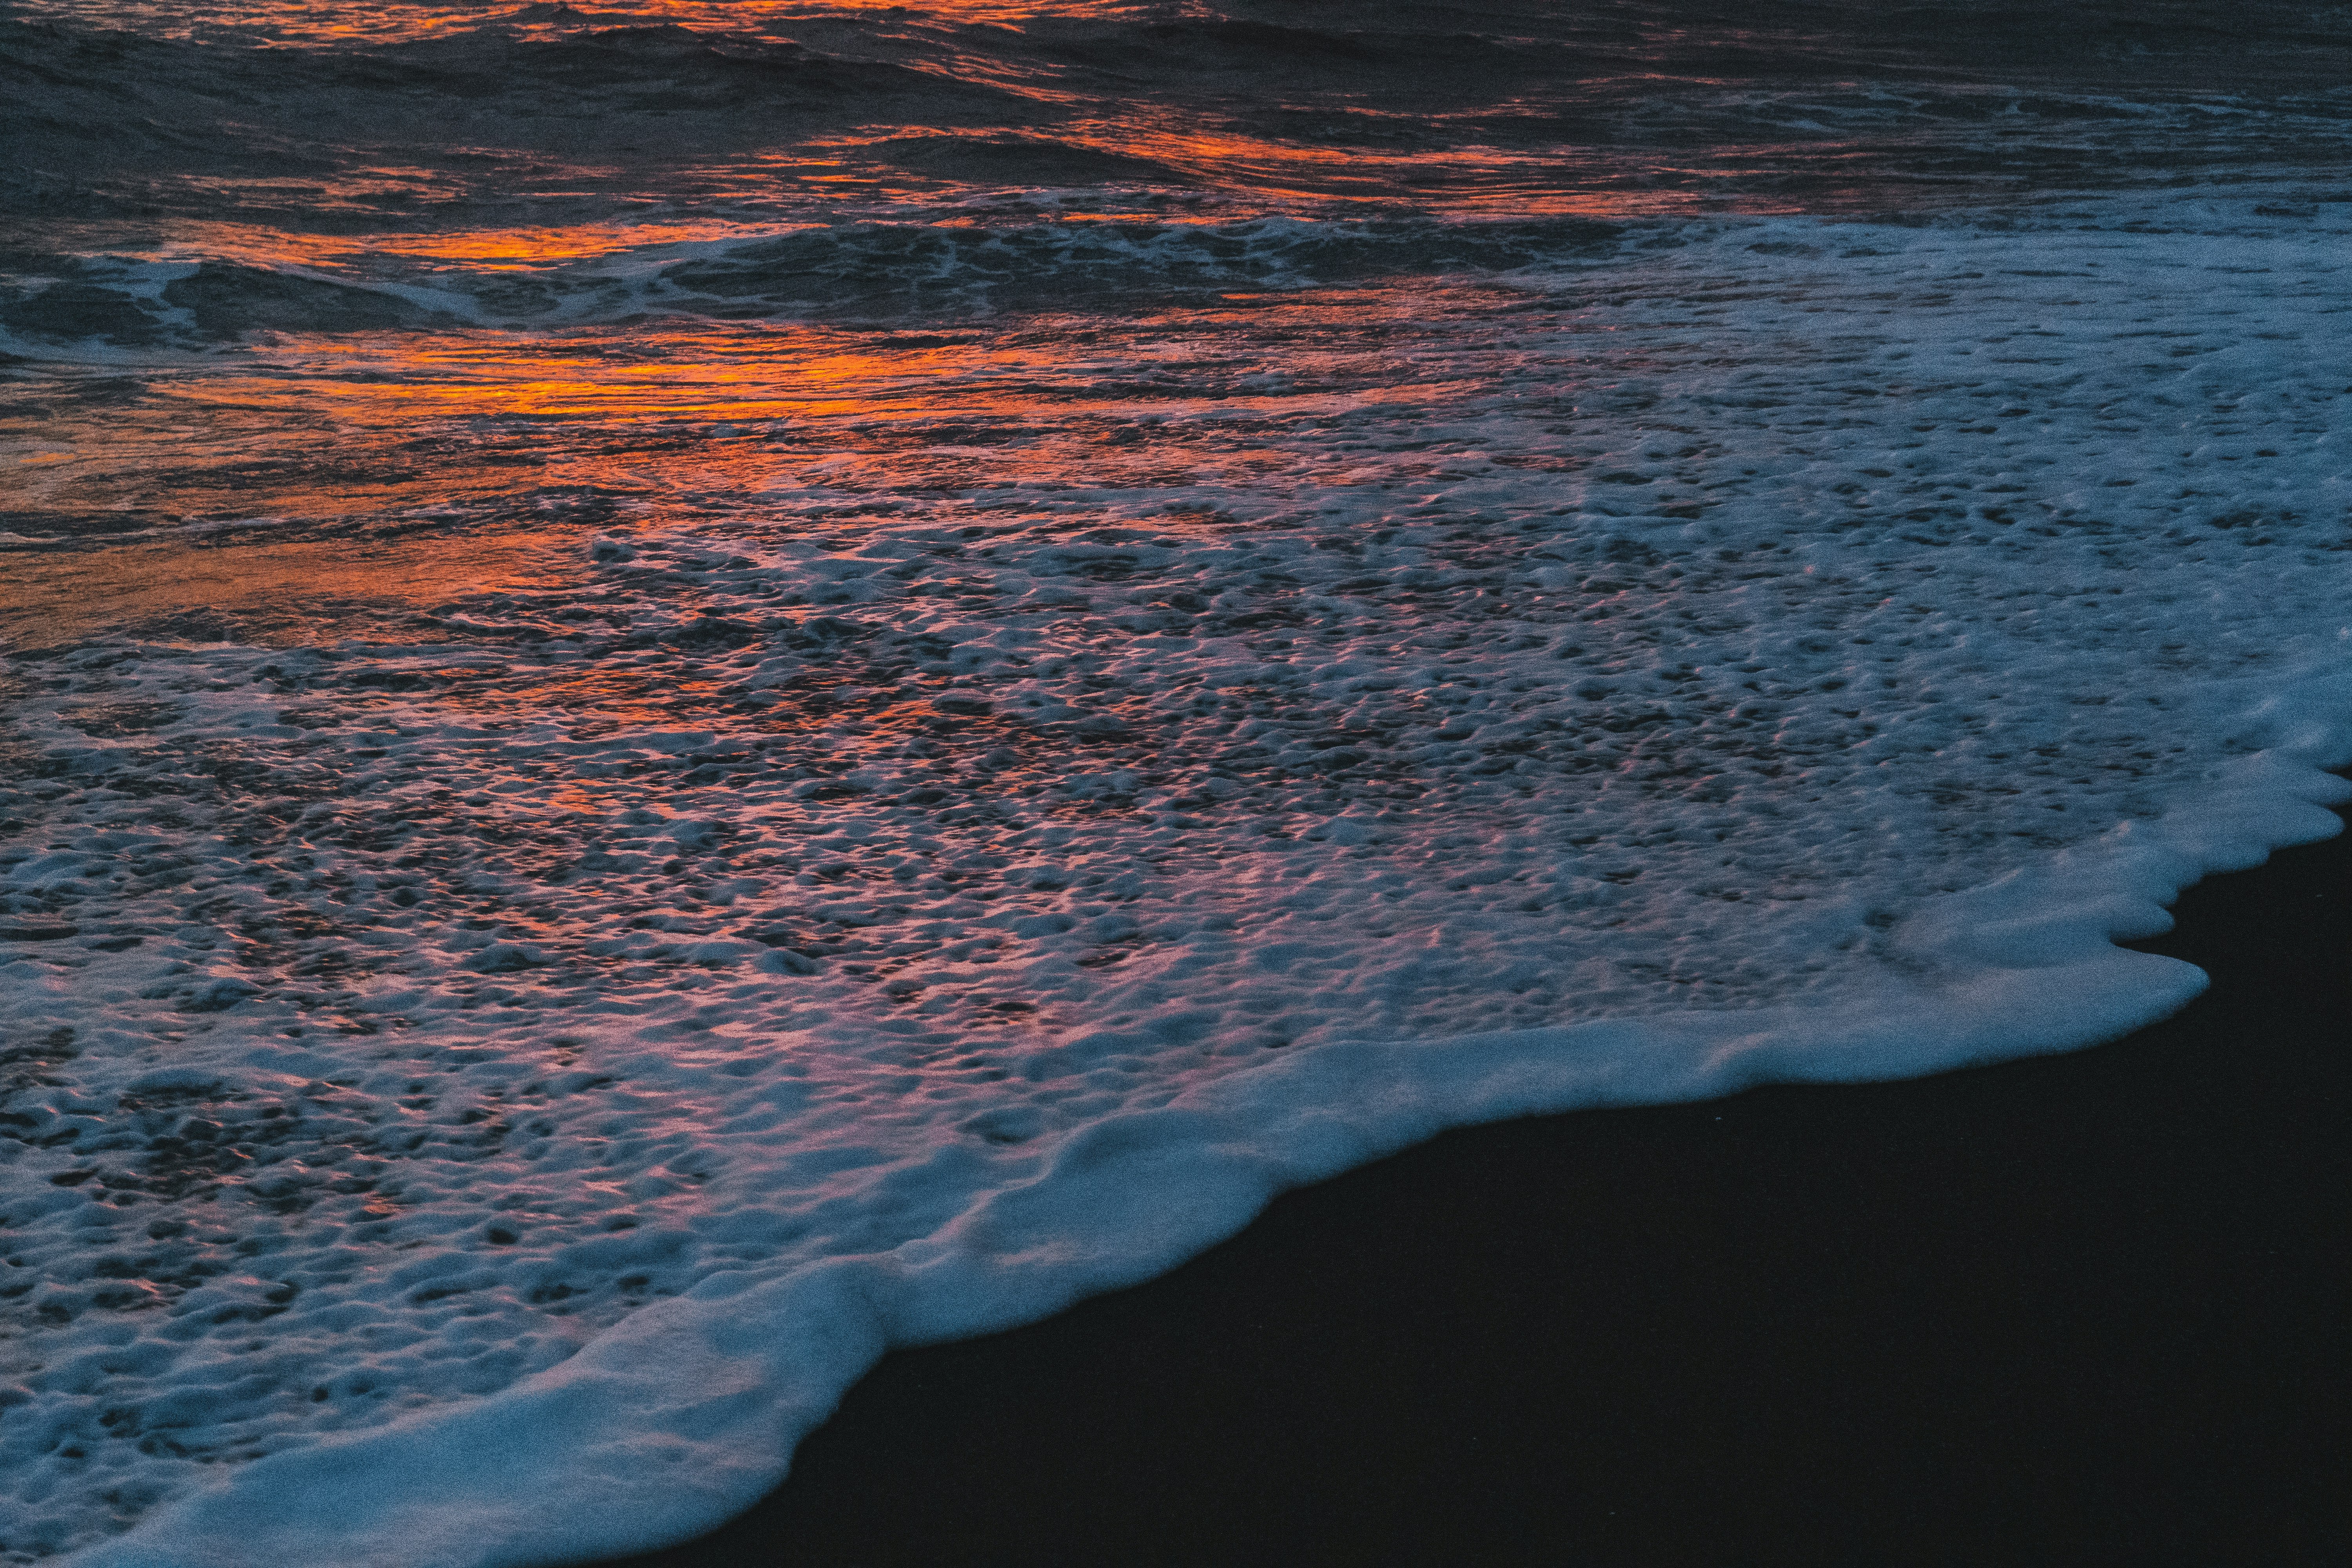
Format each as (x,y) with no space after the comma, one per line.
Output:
(2075,1308)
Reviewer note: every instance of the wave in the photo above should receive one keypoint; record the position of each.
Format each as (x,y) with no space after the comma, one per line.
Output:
(921,838)
(106,112)
(686,1411)
(805,107)
(920,842)
(865,270)
(881,271)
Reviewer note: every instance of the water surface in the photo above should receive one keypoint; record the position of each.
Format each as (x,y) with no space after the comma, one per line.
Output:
(661,656)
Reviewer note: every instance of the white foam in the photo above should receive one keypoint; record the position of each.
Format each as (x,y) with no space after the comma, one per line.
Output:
(681,1416)
(1677,679)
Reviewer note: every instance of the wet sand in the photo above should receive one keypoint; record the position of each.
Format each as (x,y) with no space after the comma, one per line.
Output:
(2084,1308)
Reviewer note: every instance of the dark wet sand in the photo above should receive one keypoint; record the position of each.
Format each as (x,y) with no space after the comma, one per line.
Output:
(2088,1309)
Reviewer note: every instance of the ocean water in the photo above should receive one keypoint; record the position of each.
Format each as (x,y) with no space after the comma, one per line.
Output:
(692,688)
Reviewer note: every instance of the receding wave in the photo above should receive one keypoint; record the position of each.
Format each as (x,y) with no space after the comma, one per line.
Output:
(846,837)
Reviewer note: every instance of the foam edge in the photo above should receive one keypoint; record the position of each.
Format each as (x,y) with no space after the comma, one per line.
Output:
(688,1412)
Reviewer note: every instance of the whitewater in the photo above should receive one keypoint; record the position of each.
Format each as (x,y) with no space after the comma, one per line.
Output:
(480,1096)
(624,784)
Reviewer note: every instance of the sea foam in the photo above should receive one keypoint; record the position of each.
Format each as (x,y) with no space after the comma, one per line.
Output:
(681,1416)
(479,1096)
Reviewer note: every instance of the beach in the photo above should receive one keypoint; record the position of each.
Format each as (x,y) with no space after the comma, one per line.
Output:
(2082,1309)
(708,706)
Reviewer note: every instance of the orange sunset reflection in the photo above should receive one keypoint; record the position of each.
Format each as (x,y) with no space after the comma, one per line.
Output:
(406,469)
(299,24)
